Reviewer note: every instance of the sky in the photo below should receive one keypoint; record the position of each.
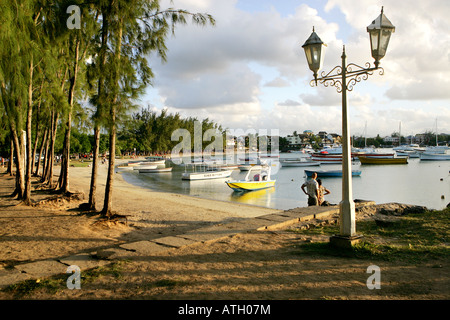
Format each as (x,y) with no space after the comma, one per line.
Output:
(249,71)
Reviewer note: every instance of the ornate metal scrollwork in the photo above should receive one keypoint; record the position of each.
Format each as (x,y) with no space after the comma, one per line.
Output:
(353,74)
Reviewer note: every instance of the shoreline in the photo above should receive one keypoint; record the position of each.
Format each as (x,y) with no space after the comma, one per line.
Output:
(52,227)
(163,253)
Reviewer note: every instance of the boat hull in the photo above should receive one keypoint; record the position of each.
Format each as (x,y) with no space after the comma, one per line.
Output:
(434,157)
(206,175)
(330,173)
(368,160)
(240,186)
(155,170)
(291,163)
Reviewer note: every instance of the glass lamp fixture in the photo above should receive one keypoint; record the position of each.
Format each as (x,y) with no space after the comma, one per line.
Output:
(314,53)
(380,31)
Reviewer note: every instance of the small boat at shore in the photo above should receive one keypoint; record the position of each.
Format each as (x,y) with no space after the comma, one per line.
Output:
(155,170)
(258,182)
(370,160)
(143,166)
(330,173)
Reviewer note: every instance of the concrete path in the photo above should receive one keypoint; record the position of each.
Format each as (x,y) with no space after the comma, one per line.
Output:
(47,268)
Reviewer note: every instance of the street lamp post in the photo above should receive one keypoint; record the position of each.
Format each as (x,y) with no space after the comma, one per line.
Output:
(344,78)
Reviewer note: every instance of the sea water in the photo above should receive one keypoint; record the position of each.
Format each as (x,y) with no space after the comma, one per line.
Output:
(425,183)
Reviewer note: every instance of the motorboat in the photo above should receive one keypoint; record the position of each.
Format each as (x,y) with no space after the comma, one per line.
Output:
(325,158)
(251,183)
(379,160)
(154,170)
(143,166)
(155,160)
(434,156)
(298,162)
(330,173)
(203,172)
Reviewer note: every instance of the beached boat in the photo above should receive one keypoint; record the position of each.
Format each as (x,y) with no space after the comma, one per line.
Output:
(257,182)
(300,162)
(434,157)
(373,160)
(155,170)
(330,173)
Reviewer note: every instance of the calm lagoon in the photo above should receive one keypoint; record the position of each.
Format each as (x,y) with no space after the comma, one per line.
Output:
(425,183)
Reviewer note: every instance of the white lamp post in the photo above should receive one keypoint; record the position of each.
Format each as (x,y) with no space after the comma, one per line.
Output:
(344,77)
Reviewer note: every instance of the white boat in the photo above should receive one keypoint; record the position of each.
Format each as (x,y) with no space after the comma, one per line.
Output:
(408,153)
(299,162)
(202,172)
(155,170)
(437,149)
(155,160)
(331,150)
(143,166)
(434,156)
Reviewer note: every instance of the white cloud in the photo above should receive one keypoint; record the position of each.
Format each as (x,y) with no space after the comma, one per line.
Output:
(208,73)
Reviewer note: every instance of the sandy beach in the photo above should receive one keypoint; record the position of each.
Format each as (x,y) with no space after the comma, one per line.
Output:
(252,265)
(54,228)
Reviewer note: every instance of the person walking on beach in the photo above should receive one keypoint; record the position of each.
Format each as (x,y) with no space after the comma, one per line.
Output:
(322,192)
(312,190)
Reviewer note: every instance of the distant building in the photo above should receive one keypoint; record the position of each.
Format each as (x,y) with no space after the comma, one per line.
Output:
(392,140)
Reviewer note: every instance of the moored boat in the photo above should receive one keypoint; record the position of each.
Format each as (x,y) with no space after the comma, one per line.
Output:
(258,182)
(300,162)
(434,157)
(379,160)
(201,172)
(330,173)
(325,158)
(155,170)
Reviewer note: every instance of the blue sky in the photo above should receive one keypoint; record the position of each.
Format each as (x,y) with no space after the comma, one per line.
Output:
(249,71)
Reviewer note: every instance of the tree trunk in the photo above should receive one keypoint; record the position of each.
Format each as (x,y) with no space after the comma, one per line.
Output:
(11,157)
(45,160)
(51,153)
(28,157)
(100,90)
(19,153)
(107,206)
(93,187)
(41,150)
(66,151)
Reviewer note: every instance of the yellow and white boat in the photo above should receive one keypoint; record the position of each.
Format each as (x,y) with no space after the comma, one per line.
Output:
(259,181)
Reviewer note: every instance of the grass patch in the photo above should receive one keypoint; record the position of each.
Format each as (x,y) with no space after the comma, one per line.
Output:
(168,283)
(57,283)
(413,238)
(77,163)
